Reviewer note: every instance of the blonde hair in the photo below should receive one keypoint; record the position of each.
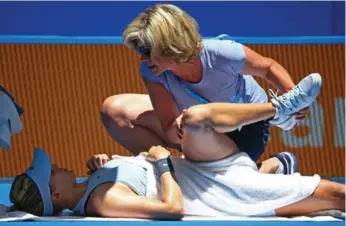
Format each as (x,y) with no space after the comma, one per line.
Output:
(167,31)
(25,196)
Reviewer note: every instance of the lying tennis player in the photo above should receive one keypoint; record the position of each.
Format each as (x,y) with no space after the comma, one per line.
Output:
(155,185)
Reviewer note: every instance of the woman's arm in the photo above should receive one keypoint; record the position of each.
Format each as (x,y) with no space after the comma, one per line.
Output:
(271,71)
(114,202)
(268,69)
(165,108)
(119,204)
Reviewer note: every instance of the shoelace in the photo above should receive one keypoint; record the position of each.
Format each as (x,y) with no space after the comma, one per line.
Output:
(290,99)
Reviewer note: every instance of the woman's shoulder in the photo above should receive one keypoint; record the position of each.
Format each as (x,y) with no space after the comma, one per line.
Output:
(227,54)
(228,49)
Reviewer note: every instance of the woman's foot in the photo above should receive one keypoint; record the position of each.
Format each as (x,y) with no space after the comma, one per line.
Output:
(301,96)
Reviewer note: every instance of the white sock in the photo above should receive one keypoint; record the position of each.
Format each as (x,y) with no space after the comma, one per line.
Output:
(280,170)
(334,213)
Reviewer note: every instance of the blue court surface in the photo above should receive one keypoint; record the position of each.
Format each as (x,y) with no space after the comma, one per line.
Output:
(171,223)
(5,185)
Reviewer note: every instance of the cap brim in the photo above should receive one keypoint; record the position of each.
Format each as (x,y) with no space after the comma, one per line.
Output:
(40,172)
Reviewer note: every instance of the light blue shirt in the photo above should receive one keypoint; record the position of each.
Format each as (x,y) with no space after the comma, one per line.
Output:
(135,177)
(223,61)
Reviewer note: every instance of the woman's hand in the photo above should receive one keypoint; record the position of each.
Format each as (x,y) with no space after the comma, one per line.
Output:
(179,126)
(187,116)
(300,115)
(156,153)
(96,162)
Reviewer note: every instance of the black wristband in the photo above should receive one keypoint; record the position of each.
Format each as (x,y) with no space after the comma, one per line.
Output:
(164,165)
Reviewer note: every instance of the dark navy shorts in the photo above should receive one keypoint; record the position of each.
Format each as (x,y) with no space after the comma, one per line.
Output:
(252,138)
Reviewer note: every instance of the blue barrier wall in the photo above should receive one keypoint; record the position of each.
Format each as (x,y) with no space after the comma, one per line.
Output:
(235,18)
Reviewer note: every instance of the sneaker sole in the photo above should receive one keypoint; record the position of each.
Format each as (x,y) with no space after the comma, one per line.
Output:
(288,124)
(317,84)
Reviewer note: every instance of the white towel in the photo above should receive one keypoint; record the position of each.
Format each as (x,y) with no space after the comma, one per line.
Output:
(10,122)
(230,187)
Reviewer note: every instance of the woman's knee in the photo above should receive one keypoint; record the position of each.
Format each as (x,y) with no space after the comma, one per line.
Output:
(197,116)
(337,190)
(330,189)
(113,105)
(113,110)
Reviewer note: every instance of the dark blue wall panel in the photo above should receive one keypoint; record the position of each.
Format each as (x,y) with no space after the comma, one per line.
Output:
(338,15)
(234,18)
